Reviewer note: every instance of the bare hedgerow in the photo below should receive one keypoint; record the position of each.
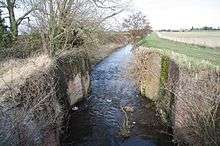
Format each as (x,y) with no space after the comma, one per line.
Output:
(195,109)
(64,25)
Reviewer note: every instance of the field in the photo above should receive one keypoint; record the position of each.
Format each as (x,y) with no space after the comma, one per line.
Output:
(197,52)
(204,38)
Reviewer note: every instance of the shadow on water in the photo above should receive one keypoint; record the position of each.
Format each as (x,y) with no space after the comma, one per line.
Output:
(99,118)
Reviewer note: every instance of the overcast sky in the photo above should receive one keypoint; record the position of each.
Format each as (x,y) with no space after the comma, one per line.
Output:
(176,14)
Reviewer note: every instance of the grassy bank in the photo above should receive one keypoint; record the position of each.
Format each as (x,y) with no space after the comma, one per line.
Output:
(195,52)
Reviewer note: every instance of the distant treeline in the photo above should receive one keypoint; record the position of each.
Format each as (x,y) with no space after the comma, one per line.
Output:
(192,29)
(205,28)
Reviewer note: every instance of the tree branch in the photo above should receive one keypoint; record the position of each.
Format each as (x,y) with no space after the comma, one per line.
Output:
(24,16)
(112,15)
(102,5)
(13,2)
(6,17)
(3,4)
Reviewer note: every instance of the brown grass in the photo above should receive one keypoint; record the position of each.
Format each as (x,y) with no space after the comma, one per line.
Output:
(28,109)
(18,70)
(28,104)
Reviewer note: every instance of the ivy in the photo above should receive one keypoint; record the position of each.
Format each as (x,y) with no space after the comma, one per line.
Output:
(5,36)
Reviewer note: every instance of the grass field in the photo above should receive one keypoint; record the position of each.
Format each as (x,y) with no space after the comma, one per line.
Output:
(204,38)
(209,54)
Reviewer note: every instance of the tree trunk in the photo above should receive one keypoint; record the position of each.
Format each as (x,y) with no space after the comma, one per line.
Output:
(13,23)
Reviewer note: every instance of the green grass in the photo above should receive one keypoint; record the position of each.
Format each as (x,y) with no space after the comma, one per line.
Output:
(197,52)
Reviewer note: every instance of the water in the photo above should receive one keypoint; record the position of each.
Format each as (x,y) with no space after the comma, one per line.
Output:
(99,119)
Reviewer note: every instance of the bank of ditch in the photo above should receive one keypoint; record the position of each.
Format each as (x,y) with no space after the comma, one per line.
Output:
(185,90)
(37,93)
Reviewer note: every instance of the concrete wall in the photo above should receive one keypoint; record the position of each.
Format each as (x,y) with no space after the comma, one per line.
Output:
(151,83)
(75,71)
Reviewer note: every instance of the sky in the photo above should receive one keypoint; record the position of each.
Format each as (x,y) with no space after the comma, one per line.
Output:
(174,14)
(180,14)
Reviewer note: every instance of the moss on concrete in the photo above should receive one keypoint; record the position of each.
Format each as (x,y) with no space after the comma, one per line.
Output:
(164,96)
(165,62)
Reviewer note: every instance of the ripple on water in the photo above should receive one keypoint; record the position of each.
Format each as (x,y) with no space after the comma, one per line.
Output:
(100,118)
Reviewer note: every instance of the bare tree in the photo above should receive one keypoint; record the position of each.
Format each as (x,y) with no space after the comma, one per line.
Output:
(10,5)
(137,26)
(67,24)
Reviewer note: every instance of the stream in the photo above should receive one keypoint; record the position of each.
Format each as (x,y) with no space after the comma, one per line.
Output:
(98,120)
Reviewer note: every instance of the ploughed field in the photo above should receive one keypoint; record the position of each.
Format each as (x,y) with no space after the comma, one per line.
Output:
(203,38)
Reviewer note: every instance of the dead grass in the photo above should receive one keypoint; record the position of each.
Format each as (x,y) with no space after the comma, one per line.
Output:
(197,101)
(28,109)
(28,103)
(18,70)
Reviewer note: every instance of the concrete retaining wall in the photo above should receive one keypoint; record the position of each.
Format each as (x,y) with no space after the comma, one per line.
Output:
(75,72)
